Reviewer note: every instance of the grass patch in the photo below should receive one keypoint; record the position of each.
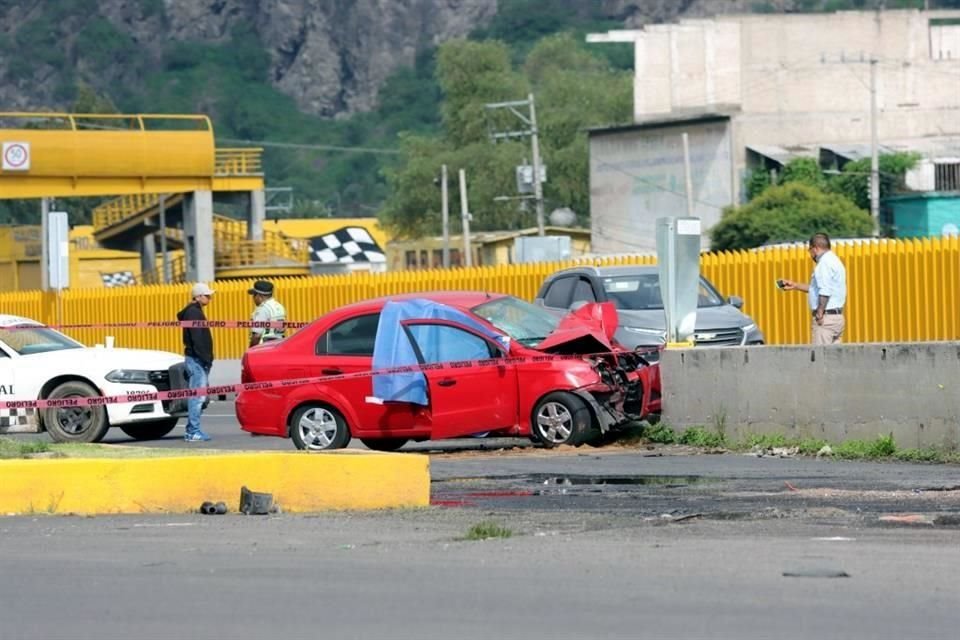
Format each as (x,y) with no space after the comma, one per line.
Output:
(701,437)
(660,433)
(486,530)
(880,447)
(10,448)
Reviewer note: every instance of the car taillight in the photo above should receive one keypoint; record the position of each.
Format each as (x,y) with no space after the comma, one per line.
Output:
(245,375)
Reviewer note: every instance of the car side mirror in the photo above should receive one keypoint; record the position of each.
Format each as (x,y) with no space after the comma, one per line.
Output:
(735,301)
(538,302)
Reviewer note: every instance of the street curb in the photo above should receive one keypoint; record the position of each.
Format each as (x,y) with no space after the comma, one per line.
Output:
(299,482)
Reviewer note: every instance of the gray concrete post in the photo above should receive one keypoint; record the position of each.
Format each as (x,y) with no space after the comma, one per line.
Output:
(198,236)
(258,213)
(148,254)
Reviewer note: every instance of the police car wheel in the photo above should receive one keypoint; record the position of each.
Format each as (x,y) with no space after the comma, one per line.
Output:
(153,430)
(75,424)
(318,428)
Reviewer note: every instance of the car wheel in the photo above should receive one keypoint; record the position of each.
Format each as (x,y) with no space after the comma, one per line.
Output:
(75,424)
(383,444)
(318,428)
(153,430)
(560,418)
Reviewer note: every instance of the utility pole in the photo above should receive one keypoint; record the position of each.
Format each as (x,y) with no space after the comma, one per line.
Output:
(465,218)
(167,276)
(44,244)
(873,61)
(874,152)
(445,205)
(537,185)
(530,120)
(686,171)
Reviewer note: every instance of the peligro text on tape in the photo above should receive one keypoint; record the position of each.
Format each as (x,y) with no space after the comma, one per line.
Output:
(167,324)
(182,394)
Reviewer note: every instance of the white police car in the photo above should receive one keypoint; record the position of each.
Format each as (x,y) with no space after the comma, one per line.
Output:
(39,363)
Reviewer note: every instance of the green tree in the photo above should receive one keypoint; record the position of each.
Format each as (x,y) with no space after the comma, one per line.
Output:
(573,91)
(854,180)
(787,213)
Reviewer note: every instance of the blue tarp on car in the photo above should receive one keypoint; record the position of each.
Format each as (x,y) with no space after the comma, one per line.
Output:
(392,347)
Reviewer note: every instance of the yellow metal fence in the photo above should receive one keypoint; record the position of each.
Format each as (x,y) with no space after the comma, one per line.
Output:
(905,290)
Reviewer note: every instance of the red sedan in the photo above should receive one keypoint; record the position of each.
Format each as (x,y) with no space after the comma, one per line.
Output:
(552,401)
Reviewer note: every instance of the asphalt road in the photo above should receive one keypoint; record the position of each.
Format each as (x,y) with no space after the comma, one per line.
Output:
(606,543)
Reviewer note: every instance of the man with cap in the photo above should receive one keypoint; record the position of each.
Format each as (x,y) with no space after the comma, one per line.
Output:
(267,310)
(198,357)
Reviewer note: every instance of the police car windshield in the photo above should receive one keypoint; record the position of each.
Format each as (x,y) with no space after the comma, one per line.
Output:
(29,340)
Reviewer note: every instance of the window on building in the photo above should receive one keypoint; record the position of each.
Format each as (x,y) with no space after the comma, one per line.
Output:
(946,176)
(424,259)
(944,39)
(455,259)
(411,258)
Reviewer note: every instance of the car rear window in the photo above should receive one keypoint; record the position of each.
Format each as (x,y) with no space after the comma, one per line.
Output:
(353,337)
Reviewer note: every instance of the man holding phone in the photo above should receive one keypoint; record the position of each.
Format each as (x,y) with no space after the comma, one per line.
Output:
(826,293)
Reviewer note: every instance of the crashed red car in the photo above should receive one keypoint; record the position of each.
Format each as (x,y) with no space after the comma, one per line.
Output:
(554,402)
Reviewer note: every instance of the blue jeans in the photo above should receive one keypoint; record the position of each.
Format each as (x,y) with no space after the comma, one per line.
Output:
(196,378)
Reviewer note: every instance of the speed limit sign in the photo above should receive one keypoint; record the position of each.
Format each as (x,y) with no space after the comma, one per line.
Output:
(16,156)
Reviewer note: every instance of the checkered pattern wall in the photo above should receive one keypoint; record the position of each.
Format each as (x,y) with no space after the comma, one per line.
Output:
(348,244)
(118,279)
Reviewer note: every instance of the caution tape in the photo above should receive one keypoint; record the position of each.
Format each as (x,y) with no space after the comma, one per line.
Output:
(167,324)
(183,394)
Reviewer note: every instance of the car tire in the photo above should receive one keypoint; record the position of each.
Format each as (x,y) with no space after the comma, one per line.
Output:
(75,424)
(153,430)
(560,418)
(317,427)
(383,444)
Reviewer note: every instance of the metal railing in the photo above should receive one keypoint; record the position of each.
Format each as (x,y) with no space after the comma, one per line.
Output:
(906,290)
(245,161)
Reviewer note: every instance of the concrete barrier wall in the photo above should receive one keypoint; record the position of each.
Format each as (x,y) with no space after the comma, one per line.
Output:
(836,393)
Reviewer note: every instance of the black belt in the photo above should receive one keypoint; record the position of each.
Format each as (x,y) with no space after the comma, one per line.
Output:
(830,312)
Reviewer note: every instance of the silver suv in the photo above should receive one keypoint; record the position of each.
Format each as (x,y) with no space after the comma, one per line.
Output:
(635,291)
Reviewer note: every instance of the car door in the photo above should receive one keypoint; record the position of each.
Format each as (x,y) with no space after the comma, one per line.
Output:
(466,400)
(346,348)
(8,391)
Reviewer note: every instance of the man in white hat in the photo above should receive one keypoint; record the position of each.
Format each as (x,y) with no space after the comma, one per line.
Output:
(198,357)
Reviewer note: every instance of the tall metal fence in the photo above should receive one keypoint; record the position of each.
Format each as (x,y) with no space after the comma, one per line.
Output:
(906,290)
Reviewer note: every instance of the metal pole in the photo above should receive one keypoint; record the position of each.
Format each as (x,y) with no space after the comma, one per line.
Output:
(537,186)
(44,244)
(445,204)
(465,217)
(686,171)
(167,277)
(874,153)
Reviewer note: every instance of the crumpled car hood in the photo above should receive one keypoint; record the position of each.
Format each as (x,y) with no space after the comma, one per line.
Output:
(589,329)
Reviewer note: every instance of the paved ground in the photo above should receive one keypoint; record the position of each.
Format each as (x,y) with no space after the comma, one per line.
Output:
(606,543)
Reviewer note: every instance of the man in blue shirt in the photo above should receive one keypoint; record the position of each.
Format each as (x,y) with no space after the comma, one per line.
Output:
(826,293)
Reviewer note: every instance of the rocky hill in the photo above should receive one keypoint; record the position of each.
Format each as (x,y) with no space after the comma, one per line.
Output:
(329,56)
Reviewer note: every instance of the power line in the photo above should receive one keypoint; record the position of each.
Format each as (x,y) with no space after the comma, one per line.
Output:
(313,147)
(679,194)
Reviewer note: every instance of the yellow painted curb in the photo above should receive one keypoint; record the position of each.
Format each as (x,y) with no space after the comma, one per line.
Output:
(299,482)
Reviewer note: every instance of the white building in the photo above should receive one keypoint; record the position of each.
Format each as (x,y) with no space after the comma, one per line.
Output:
(760,89)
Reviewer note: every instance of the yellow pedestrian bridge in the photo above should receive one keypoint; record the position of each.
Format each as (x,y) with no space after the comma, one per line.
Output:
(167,174)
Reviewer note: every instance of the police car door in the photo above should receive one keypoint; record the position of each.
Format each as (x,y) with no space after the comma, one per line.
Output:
(8,417)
